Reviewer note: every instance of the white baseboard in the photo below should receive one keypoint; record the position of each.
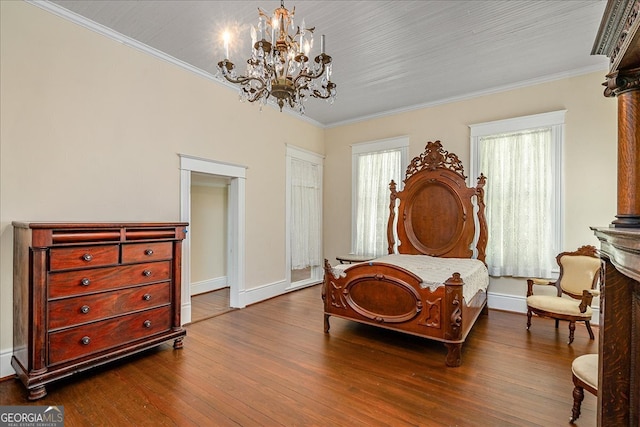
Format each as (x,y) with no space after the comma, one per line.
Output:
(185,313)
(208,285)
(507,302)
(518,304)
(6,370)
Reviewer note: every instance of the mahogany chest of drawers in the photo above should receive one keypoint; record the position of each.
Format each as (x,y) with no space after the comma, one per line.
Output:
(89,293)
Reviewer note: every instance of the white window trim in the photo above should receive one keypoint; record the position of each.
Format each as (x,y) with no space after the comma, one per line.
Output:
(395,143)
(555,120)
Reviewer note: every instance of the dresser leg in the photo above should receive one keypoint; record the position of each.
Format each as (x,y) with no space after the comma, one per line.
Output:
(37,393)
(177,344)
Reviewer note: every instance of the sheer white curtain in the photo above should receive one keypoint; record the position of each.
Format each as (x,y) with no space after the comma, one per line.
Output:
(519,199)
(305,214)
(375,172)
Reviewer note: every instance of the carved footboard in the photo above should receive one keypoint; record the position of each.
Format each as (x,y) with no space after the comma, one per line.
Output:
(391,297)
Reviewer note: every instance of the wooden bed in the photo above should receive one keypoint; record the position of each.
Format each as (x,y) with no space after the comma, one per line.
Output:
(437,216)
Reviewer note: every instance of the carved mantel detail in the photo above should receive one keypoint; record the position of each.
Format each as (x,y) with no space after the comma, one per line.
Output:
(619,82)
(618,31)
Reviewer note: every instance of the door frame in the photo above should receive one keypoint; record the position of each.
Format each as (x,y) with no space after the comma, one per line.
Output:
(236,227)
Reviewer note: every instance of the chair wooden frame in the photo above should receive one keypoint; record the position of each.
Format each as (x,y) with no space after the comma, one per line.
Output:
(578,395)
(586,297)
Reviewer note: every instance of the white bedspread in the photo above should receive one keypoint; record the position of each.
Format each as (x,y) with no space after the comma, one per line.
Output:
(435,271)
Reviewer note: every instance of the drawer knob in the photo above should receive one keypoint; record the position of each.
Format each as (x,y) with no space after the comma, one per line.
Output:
(146,297)
(84,309)
(85,340)
(147,323)
(148,252)
(147,273)
(85,282)
(87,257)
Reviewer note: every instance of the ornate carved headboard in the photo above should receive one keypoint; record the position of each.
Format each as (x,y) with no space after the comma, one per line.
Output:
(438,214)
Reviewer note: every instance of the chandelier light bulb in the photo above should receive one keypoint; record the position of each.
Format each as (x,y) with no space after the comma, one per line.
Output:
(226,37)
(254,36)
(274,28)
(262,26)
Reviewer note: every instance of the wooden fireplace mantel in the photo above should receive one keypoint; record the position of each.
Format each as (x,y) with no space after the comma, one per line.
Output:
(619,342)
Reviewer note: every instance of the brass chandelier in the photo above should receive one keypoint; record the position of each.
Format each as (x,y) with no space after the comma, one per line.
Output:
(279,65)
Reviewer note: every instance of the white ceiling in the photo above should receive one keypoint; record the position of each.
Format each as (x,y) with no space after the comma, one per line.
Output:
(388,55)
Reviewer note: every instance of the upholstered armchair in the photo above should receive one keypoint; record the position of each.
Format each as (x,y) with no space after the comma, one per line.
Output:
(575,289)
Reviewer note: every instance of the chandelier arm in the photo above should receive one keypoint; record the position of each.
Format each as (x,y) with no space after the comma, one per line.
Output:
(321,59)
(259,93)
(317,94)
(309,76)
(244,82)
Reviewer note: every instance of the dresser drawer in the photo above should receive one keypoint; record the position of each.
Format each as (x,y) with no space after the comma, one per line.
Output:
(71,283)
(92,338)
(77,310)
(144,252)
(83,256)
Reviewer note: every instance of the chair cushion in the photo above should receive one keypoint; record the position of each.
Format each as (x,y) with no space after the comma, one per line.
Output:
(578,273)
(585,367)
(558,305)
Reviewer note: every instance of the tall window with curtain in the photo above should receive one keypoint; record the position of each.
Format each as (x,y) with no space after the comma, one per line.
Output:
(522,159)
(375,164)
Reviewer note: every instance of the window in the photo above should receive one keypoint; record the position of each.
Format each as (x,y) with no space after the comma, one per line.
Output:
(522,159)
(374,165)
(304,216)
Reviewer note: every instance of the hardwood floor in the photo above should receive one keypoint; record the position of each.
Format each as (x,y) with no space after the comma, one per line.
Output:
(271,364)
(210,304)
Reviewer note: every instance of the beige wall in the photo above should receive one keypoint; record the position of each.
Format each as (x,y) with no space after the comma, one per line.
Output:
(589,153)
(91,130)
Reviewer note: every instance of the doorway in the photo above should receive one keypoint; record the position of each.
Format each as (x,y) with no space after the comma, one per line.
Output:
(304,217)
(209,286)
(234,177)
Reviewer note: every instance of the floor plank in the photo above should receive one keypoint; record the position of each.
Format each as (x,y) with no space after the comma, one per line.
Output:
(209,304)
(271,364)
